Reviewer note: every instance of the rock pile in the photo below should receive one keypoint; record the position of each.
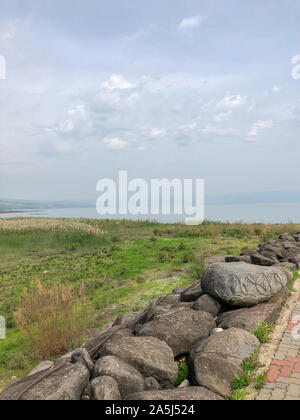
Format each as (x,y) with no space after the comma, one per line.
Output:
(210,324)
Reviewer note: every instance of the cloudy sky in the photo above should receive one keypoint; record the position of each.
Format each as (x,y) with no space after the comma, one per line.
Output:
(162,88)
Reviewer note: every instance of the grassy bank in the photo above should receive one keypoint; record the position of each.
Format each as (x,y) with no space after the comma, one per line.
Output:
(122,265)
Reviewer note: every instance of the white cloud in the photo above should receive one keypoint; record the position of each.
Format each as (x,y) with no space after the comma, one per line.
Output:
(231,102)
(10,29)
(191,22)
(78,119)
(296,69)
(117,82)
(213,131)
(277,89)
(188,127)
(260,126)
(223,116)
(115,143)
(158,132)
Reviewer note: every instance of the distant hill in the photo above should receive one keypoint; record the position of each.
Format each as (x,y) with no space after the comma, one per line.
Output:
(22,205)
(255,198)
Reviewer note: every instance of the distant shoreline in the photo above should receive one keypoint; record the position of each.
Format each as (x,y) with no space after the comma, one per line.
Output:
(20,211)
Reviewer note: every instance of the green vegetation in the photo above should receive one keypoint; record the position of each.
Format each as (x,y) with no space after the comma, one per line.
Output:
(263,332)
(260,381)
(183,371)
(242,384)
(239,395)
(122,265)
(249,366)
(292,282)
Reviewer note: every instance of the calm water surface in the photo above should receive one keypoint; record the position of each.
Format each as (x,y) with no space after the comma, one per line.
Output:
(250,213)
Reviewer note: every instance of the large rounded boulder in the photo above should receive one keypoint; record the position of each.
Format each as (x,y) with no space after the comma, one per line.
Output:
(215,361)
(248,318)
(243,285)
(181,329)
(150,356)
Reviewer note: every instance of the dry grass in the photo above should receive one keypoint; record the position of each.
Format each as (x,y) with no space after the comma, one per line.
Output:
(31,225)
(53,319)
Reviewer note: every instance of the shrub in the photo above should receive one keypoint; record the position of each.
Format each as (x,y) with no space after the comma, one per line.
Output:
(52,319)
(198,268)
(262,332)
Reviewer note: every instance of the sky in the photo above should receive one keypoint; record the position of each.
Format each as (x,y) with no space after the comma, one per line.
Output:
(163,89)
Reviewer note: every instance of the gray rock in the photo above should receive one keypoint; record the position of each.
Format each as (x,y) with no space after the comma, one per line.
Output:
(166,300)
(68,383)
(274,250)
(150,356)
(214,362)
(130,317)
(105,388)
(290,253)
(179,290)
(82,356)
(297,237)
(248,318)
(288,268)
(87,393)
(280,297)
(95,341)
(269,255)
(249,252)
(193,294)
(289,245)
(128,378)
(232,259)
(208,304)
(184,384)
(245,259)
(181,330)
(162,310)
(287,237)
(259,259)
(295,261)
(47,364)
(191,393)
(241,284)
(151,384)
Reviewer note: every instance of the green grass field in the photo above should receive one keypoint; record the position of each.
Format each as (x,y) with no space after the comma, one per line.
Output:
(122,264)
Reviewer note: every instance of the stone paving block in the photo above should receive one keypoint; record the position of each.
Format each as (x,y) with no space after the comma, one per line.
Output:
(283,379)
(278,395)
(293,391)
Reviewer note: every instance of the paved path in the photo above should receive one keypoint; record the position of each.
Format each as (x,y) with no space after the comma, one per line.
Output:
(284,374)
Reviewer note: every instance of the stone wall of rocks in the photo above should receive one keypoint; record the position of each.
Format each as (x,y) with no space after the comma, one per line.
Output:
(210,324)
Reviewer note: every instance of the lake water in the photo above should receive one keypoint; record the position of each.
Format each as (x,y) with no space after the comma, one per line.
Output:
(249,213)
